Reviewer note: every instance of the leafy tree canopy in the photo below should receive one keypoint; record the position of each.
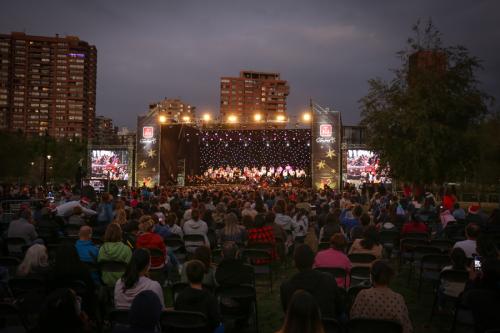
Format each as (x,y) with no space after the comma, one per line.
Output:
(420,121)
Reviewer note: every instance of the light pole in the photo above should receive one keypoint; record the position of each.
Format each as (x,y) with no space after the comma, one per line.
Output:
(45,157)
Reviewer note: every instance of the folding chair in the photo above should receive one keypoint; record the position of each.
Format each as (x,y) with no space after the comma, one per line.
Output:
(11,263)
(336,272)
(444,245)
(15,246)
(11,319)
(118,317)
(191,242)
(407,246)
(430,268)
(417,235)
(177,245)
(418,253)
(361,325)
(184,321)
(261,260)
(331,325)
(450,276)
(389,240)
(243,303)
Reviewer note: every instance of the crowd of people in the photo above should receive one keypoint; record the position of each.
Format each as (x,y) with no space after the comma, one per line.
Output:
(264,176)
(166,235)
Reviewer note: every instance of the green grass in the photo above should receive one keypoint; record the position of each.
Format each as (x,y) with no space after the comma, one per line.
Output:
(419,306)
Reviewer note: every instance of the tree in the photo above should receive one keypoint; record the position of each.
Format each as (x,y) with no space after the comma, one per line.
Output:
(420,121)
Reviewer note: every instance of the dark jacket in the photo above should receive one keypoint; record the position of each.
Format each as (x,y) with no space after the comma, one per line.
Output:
(321,286)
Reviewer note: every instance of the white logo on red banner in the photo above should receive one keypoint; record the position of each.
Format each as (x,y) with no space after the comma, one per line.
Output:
(325,130)
(148,132)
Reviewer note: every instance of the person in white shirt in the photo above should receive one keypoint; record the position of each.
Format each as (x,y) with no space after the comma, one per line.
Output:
(66,209)
(134,280)
(469,245)
(300,224)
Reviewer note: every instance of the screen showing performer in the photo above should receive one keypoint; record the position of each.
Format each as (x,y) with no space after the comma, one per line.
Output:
(363,166)
(109,164)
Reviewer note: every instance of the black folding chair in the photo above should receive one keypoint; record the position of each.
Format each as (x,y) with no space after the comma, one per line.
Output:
(407,245)
(361,258)
(418,253)
(15,246)
(11,263)
(191,242)
(331,325)
(417,235)
(243,303)
(361,325)
(255,256)
(118,317)
(389,239)
(175,243)
(336,272)
(448,276)
(444,245)
(323,246)
(178,287)
(184,322)
(72,230)
(11,319)
(430,268)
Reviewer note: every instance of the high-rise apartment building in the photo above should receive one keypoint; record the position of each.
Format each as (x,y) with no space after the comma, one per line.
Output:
(174,110)
(104,131)
(47,84)
(253,96)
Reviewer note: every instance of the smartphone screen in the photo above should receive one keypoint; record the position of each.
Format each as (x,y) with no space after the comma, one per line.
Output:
(477,263)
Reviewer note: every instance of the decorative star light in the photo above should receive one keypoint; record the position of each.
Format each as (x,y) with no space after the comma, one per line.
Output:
(153,169)
(143,164)
(321,164)
(151,153)
(330,153)
(333,171)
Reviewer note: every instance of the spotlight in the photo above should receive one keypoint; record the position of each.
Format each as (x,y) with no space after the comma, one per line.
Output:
(257,117)
(306,117)
(186,119)
(280,118)
(232,119)
(162,119)
(206,117)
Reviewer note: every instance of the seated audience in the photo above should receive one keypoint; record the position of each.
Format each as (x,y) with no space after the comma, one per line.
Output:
(300,225)
(331,227)
(76,218)
(233,270)
(204,255)
(303,315)
(195,226)
(458,263)
(35,263)
(68,271)
(23,227)
(197,299)
(469,245)
(113,249)
(135,280)
(62,312)
(414,226)
(263,233)
(149,240)
(335,257)
(87,250)
(357,231)
(144,315)
(322,286)
(369,244)
(173,226)
(380,302)
(350,217)
(232,231)
(458,212)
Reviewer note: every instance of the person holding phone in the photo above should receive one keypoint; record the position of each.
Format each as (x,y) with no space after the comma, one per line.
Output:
(482,292)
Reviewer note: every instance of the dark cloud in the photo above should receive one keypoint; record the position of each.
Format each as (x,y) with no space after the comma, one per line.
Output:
(327,50)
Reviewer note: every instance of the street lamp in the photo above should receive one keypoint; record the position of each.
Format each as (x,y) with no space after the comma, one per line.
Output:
(232,119)
(207,117)
(186,119)
(280,118)
(49,157)
(257,117)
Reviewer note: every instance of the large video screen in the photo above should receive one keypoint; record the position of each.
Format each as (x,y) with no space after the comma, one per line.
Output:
(109,164)
(363,166)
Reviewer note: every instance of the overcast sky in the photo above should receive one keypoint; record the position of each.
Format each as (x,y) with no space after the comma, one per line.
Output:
(327,50)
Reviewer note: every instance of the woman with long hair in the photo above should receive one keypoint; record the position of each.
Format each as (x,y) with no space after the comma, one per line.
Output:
(232,231)
(113,249)
(303,315)
(35,263)
(135,280)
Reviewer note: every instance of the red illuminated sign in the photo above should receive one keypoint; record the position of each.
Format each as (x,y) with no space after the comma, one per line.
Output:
(148,132)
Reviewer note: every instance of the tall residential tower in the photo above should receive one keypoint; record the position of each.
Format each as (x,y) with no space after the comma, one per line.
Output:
(47,85)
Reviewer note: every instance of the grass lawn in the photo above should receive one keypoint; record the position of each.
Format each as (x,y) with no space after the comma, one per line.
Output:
(271,315)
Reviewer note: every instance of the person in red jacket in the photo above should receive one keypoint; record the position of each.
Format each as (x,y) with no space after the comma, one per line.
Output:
(415,225)
(149,240)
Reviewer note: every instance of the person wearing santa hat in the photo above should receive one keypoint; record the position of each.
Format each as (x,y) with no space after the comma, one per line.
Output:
(474,215)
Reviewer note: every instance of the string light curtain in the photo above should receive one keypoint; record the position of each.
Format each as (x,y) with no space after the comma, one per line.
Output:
(256,148)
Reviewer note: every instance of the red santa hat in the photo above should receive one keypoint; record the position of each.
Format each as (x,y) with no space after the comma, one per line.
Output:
(474,209)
